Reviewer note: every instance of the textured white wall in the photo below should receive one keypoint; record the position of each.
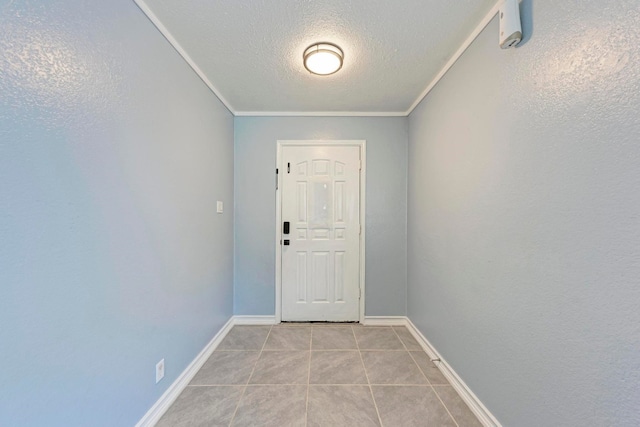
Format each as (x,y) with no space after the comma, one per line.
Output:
(112,156)
(524,217)
(255,220)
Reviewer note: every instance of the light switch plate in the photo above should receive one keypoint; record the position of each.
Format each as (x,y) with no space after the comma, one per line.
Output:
(219,207)
(159,371)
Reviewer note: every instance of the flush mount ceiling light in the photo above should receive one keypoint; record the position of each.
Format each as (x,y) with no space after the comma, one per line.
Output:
(323,58)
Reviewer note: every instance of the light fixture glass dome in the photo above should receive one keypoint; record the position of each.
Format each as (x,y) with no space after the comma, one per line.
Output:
(323,58)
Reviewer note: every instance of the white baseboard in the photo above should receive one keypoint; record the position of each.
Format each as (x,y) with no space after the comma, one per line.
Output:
(385,321)
(154,414)
(486,418)
(254,320)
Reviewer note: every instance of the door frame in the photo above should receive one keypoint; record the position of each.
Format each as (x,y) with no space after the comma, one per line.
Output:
(362,144)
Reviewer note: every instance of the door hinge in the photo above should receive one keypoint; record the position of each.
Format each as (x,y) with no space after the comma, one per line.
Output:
(359,164)
(288,167)
(276,178)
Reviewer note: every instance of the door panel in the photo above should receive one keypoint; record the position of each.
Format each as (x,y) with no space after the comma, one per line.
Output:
(321,197)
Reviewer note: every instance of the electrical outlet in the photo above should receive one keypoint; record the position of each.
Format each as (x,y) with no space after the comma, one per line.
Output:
(159,371)
(219,206)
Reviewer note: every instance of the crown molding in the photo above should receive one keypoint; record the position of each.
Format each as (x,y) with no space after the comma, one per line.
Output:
(443,71)
(183,53)
(321,113)
(474,34)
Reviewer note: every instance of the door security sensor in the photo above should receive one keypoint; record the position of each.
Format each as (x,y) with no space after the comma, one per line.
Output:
(510,27)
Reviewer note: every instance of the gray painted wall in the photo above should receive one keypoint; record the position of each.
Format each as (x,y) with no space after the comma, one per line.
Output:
(524,217)
(112,156)
(255,213)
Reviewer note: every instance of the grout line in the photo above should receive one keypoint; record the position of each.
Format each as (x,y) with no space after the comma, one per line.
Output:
(367,375)
(412,358)
(400,338)
(306,407)
(249,379)
(336,350)
(445,407)
(419,368)
(317,385)
(362,349)
(425,376)
(215,385)
(267,350)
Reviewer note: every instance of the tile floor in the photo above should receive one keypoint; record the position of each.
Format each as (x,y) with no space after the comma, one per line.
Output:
(319,375)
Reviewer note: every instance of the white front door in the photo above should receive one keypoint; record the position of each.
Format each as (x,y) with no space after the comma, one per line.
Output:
(321,252)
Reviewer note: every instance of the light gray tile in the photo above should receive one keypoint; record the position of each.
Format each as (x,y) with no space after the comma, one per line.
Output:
(408,406)
(392,367)
(289,338)
(281,367)
(460,411)
(333,324)
(245,338)
(315,324)
(226,367)
(407,339)
(294,324)
(337,367)
(377,338)
(430,370)
(274,405)
(202,406)
(336,338)
(334,406)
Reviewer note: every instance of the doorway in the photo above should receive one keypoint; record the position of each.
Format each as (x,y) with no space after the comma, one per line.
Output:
(320,231)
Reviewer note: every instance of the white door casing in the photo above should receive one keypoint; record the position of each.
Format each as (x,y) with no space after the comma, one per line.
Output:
(321,271)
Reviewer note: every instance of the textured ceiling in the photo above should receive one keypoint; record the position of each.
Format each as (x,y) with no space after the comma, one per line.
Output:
(251,51)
